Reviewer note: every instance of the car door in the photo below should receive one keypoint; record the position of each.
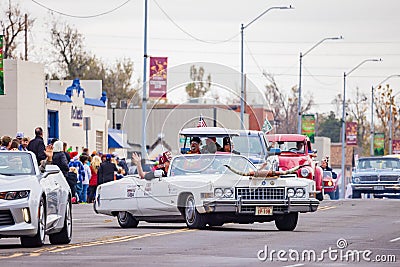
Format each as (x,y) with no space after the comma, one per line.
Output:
(156,199)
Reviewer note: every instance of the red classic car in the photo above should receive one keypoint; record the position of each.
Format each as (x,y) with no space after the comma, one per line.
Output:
(296,150)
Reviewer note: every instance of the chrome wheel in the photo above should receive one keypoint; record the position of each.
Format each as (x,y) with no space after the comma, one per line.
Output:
(42,222)
(190,213)
(68,221)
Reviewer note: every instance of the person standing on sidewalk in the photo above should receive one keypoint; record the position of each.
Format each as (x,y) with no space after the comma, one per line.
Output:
(37,146)
(85,182)
(94,168)
(106,171)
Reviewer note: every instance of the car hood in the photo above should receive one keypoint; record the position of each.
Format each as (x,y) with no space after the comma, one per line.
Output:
(233,180)
(292,160)
(20,182)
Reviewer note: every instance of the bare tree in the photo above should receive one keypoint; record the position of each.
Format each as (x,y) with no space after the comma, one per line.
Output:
(384,101)
(284,107)
(358,107)
(200,86)
(71,56)
(13,26)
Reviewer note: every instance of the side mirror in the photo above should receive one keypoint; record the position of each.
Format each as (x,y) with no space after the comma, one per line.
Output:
(51,169)
(274,151)
(158,173)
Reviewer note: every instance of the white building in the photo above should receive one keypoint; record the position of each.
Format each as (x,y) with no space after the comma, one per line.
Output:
(61,108)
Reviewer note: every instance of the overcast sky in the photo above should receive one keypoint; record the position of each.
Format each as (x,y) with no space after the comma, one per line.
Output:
(370,28)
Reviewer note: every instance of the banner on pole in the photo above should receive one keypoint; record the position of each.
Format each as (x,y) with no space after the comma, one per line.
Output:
(396,146)
(379,144)
(158,77)
(351,133)
(308,126)
(1,67)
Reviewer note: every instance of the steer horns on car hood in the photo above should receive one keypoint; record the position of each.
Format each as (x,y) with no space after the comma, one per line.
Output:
(266,173)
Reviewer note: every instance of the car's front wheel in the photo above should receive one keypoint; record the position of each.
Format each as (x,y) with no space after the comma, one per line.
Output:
(126,220)
(65,235)
(193,218)
(287,222)
(38,239)
(356,194)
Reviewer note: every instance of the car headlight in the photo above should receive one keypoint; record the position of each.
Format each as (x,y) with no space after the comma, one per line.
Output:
(356,180)
(290,192)
(223,192)
(12,195)
(218,192)
(304,172)
(228,192)
(300,192)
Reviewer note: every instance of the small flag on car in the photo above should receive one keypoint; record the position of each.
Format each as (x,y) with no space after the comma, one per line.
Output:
(267,127)
(201,122)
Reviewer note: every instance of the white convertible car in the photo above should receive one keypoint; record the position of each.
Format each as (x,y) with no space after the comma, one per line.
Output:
(33,204)
(201,190)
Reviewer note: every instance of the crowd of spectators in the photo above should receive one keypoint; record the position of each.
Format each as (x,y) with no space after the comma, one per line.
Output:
(83,172)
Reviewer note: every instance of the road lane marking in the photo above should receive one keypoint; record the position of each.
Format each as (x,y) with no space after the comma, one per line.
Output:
(112,240)
(12,256)
(394,240)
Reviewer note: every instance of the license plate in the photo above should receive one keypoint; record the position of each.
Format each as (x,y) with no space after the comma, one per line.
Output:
(263,210)
(378,187)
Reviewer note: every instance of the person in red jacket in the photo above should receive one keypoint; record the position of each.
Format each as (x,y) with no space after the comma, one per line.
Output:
(94,167)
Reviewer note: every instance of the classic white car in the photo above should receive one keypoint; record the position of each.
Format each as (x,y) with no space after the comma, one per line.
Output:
(200,190)
(33,204)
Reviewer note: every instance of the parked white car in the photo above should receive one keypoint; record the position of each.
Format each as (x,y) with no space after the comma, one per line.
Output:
(32,204)
(200,190)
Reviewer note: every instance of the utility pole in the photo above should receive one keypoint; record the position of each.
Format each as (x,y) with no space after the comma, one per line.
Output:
(26,37)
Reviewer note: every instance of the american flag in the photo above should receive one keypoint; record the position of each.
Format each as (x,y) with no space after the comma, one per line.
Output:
(201,122)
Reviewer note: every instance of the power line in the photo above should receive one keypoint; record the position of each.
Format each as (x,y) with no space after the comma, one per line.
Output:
(191,35)
(82,17)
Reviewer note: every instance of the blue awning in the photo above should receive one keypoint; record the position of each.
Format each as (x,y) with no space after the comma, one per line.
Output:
(115,140)
(94,102)
(58,97)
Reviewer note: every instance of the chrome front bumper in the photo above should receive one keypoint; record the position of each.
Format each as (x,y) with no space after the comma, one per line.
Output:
(376,187)
(248,206)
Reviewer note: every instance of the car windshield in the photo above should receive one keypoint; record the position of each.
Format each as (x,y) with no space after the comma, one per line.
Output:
(381,163)
(16,163)
(209,163)
(246,144)
(285,146)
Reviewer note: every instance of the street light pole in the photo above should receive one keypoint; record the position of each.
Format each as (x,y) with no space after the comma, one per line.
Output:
(144,99)
(372,110)
(343,187)
(301,60)
(242,27)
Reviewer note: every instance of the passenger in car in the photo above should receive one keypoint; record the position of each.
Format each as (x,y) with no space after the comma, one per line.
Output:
(164,162)
(228,146)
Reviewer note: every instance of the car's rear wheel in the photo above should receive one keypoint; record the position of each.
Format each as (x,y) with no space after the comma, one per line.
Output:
(193,218)
(38,239)
(65,235)
(126,220)
(287,222)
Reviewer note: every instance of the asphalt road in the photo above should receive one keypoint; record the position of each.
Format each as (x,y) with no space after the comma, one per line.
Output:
(369,228)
